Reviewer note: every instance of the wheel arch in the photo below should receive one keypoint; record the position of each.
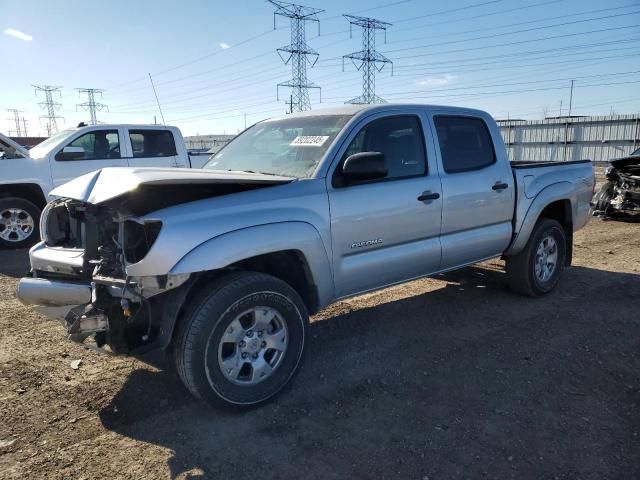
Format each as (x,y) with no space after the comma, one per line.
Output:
(556,202)
(27,191)
(291,251)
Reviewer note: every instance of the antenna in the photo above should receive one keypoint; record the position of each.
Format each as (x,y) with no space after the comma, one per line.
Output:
(50,106)
(297,53)
(368,59)
(91,105)
(157,101)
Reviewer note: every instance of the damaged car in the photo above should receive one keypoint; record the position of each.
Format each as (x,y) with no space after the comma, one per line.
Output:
(619,196)
(221,267)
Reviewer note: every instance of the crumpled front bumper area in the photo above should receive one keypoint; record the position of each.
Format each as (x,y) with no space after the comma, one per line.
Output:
(129,315)
(45,292)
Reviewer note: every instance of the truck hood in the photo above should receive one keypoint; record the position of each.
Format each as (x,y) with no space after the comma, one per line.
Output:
(109,183)
(7,143)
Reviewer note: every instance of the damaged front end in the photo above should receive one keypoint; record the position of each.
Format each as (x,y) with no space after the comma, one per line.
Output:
(100,229)
(79,276)
(619,196)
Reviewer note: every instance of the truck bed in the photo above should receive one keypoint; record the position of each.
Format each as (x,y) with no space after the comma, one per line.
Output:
(574,179)
(545,164)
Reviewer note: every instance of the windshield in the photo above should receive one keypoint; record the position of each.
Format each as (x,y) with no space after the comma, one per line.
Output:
(291,147)
(42,148)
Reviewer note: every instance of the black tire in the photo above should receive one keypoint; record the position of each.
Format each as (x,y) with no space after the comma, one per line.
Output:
(200,330)
(521,268)
(27,207)
(602,199)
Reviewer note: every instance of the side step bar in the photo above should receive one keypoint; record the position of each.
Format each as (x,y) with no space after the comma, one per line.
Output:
(52,293)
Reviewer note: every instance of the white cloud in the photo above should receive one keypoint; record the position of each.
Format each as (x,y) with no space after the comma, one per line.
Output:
(18,34)
(436,80)
(223,45)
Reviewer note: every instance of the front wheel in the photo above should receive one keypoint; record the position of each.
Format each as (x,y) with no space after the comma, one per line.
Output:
(19,222)
(537,269)
(242,341)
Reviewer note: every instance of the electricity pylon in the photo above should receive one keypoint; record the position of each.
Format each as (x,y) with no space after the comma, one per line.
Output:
(297,53)
(16,120)
(50,106)
(91,105)
(368,59)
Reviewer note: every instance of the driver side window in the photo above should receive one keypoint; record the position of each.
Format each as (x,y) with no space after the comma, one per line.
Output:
(399,139)
(98,145)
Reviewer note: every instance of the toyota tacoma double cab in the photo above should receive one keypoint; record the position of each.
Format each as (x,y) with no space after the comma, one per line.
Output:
(223,266)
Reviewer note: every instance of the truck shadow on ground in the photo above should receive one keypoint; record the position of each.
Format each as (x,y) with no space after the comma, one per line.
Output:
(14,263)
(464,380)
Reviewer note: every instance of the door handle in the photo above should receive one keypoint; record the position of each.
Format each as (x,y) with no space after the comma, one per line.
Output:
(428,196)
(499,186)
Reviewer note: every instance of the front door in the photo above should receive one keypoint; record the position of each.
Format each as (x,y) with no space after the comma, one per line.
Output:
(382,232)
(100,149)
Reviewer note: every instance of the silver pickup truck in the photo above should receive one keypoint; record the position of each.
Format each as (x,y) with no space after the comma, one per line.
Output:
(223,266)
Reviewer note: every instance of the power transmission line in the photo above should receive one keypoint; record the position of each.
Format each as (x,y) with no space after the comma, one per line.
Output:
(91,105)
(50,106)
(332,81)
(368,57)
(514,32)
(16,119)
(519,42)
(299,52)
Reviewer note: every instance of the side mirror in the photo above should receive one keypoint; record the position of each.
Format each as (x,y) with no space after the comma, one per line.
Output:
(364,166)
(70,153)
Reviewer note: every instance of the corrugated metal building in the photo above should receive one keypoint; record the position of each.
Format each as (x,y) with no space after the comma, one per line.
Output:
(207,143)
(571,138)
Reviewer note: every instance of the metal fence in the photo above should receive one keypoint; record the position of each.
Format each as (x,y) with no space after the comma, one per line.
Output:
(571,138)
(207,143)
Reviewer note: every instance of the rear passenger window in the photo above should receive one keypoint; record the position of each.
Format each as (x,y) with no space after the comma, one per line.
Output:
(465,143)
(152,143)
(399,139)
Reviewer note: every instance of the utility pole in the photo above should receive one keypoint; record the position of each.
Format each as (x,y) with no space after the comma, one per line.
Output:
(368,59)
(50,106)
(297,53)
(16,120)
(571,98)
(290,104)
(91,105)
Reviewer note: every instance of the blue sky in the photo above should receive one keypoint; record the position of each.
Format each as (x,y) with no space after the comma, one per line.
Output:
(215,61)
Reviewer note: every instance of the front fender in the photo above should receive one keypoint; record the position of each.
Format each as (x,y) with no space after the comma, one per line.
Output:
(529,216)
(229,248)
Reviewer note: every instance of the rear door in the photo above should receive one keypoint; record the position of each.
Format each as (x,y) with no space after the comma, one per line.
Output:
(382,232)
(477,189)
(154,147)
(102,148)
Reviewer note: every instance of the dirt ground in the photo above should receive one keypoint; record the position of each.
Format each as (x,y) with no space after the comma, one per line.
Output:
(452,377)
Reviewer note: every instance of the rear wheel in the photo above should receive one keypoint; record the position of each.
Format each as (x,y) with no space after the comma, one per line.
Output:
(19,223)
(537,269)
(242,341)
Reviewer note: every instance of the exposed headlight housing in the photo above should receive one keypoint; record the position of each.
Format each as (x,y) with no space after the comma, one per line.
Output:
(139,237)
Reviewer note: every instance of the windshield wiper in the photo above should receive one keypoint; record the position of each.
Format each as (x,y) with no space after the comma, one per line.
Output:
(259,173)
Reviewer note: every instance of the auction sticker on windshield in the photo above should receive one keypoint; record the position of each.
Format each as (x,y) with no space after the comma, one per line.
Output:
(309,141)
